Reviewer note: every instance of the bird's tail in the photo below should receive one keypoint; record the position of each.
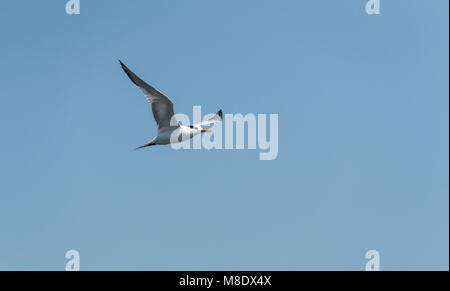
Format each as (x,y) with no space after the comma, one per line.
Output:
(146,145)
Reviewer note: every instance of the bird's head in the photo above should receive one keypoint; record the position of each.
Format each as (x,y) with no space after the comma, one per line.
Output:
(199,129)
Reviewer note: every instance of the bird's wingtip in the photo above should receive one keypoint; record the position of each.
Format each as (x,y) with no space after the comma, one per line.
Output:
(129,73)
(220,113)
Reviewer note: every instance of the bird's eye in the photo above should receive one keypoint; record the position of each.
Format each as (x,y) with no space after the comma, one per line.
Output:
(191,126)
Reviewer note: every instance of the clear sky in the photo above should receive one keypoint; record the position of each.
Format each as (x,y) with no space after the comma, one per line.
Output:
(363,135)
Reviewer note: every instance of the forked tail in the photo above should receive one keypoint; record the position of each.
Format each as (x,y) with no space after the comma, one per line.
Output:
(146,145)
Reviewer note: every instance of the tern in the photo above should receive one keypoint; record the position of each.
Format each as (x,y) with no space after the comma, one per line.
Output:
(169,129)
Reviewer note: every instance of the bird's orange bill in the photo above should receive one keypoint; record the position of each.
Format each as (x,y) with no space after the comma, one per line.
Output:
(206,130)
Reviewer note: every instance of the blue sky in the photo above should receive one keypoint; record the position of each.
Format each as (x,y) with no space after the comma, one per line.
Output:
(363,135)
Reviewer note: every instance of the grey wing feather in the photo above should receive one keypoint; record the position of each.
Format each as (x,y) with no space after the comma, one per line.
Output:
(162,106)
(215,119)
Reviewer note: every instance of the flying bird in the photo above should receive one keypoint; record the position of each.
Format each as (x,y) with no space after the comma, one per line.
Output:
(169,129)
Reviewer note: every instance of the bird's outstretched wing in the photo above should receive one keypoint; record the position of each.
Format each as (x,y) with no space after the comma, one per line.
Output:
(162,107)
(215,119)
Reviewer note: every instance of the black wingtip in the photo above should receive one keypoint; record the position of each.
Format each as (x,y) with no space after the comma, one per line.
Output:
(220,113)
(128,72)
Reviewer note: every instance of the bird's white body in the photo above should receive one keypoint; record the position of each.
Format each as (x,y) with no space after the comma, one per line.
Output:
(175,135)
(169,130)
